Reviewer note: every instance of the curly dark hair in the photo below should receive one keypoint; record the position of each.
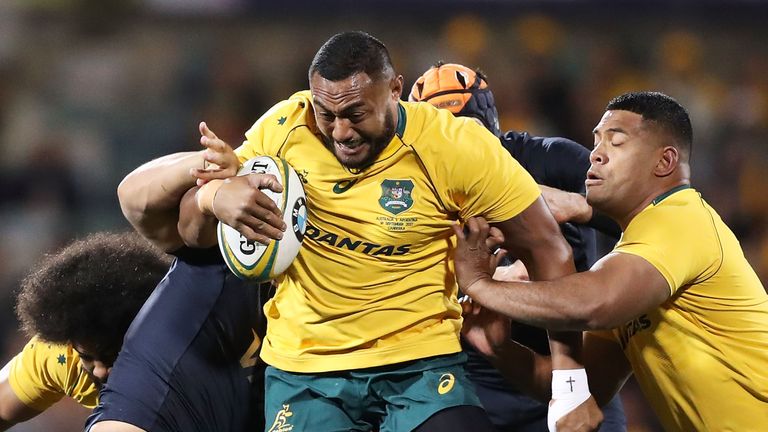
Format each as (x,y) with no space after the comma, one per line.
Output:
(89,292)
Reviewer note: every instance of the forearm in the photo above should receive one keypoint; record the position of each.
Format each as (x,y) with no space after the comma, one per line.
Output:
(150,195)
(545,304)
(527,370)
(12,409)
(196,229)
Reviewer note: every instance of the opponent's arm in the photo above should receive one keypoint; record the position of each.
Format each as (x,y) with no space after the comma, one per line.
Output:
(150,195)
(531,372)
(618,288)
(573,207)
(534,237)
(565,163)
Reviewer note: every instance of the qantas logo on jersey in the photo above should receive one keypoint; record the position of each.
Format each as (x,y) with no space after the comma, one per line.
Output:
(361,246)
(632,328)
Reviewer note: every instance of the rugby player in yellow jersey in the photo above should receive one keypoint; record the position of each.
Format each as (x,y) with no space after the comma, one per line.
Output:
(363,329)
(677,302)
(77,303)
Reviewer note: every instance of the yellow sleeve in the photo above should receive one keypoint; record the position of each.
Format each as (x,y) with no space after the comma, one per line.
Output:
(681,249)
(480,177)
(42,373)
(266,136)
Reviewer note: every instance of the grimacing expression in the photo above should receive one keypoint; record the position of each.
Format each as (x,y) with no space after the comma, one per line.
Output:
(356,116)
(622,162)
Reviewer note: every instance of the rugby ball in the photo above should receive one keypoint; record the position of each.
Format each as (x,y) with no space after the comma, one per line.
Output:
(252,260)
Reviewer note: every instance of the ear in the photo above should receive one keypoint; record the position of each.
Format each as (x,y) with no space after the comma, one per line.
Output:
(397,87)
(670,158)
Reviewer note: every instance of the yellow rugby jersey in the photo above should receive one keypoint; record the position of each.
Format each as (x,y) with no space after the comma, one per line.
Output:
(701,358)
(372,284)
(42,373)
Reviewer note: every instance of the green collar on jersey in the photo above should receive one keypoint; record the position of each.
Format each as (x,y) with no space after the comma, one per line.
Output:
(661,197)
(400,121)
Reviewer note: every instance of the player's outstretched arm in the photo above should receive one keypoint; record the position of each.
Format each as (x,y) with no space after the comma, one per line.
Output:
(12,409)
(150,195)
(605,363)
(618,288)
(573,207)
(534,237)
(489,333)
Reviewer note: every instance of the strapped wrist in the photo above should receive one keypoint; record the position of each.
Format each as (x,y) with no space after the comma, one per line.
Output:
(206,194)
(569,390)
(569,383)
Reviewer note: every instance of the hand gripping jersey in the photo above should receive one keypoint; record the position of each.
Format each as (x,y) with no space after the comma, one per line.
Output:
(701,357)
(42,373)
(373,283)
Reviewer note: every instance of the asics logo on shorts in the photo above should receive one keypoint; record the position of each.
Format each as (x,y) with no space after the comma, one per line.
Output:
(281,420)
(446,383)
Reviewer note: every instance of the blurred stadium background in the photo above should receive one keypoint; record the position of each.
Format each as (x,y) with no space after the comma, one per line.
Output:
(89,89)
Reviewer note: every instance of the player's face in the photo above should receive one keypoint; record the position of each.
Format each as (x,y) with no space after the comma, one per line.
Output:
(622,163)
(96,365)
(356,116)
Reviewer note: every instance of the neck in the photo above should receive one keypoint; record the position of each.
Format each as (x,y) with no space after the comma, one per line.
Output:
(623,218)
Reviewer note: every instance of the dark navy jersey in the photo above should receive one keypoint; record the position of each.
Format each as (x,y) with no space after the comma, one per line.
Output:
(189,360)
(562,164)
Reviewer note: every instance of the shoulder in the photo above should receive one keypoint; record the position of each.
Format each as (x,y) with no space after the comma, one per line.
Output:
(42,353)
(437,133)
(268,134)
(677,235)
(682,213)
(296,110)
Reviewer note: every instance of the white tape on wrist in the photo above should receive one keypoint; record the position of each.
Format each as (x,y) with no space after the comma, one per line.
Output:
(569,390)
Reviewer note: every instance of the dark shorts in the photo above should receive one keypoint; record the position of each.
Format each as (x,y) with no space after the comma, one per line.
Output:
(391,398)
(189,361)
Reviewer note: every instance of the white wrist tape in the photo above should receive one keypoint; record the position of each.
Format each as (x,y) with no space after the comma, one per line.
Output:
(569,390)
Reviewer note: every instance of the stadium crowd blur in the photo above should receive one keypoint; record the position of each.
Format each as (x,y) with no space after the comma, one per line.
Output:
(91,89)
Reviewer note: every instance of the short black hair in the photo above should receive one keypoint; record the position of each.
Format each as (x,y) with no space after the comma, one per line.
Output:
(348,53)
(89,292)
(661,109)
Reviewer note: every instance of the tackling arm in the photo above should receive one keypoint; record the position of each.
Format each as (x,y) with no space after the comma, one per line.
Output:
(618,288)
(488,331)
(150,195)
(534,237)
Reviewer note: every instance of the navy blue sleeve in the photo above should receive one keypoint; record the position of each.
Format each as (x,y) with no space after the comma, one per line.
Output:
(559,163)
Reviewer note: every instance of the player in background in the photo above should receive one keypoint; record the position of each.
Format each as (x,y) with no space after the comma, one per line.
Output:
(676,302)
(382,196)
(561,166)
(76,305)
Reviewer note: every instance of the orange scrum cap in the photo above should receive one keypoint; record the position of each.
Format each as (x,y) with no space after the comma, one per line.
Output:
(460,90)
